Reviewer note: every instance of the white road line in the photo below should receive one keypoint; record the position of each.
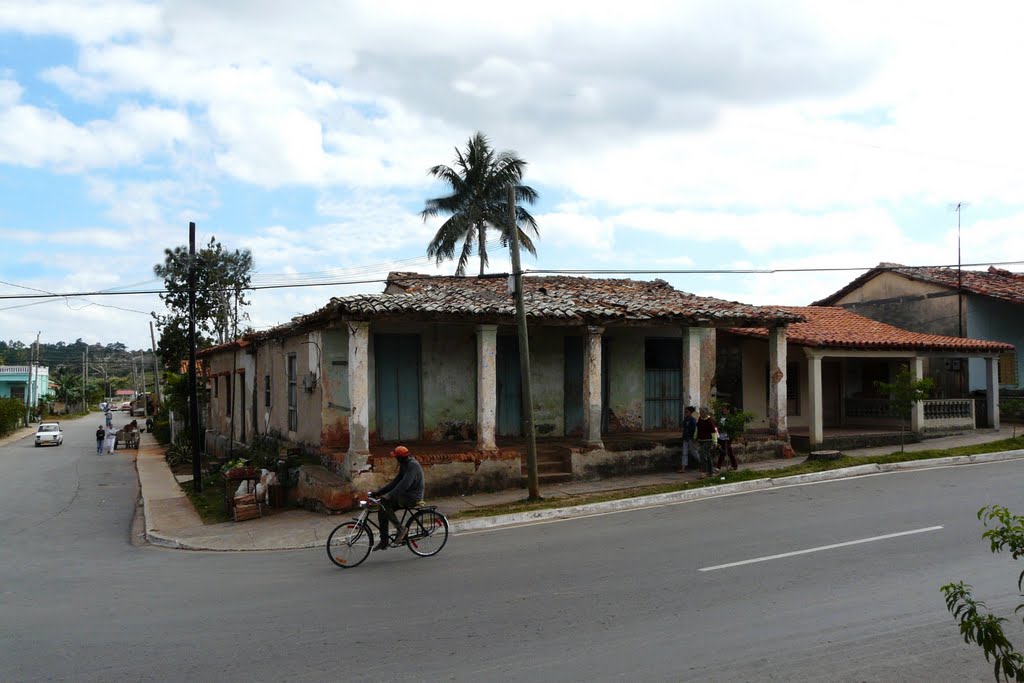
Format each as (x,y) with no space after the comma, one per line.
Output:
(819,548)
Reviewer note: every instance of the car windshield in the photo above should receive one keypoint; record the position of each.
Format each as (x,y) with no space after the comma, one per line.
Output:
(48,428)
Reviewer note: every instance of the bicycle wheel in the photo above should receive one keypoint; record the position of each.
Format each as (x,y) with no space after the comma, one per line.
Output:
(349,544)
(428,532)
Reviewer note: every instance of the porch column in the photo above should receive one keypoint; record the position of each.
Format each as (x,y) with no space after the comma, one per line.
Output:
(486,386)
(917,410)
(777,423)
(691,366)
(992,391)
(359,394)
(816,423)
(592,387)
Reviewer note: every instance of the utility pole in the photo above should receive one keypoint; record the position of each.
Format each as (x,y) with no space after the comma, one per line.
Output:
(524,352)
(193,401)
(142,367)
(156,365)
(85,374)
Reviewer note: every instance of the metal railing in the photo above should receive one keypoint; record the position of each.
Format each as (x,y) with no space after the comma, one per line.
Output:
(870,407)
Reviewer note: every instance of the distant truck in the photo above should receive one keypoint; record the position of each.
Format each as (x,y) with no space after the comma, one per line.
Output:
(145,404)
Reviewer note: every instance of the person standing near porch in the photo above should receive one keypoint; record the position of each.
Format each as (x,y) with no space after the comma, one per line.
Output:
(689,459)
(724,442)
(706,429)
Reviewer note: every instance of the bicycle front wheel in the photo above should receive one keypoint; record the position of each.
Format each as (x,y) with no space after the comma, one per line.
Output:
(428,532)
(349,544)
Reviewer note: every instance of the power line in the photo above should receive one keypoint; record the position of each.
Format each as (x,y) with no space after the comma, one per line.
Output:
(414,276)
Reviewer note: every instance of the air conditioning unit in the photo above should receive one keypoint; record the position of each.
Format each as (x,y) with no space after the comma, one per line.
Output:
(309,382)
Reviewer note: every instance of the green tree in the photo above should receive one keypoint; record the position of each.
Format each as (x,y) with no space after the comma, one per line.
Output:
(478,201)
(222,279)
(69,385)
(903,393)
(976,624)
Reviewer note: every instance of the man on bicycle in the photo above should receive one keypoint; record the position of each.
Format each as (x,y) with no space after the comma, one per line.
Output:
(404,491)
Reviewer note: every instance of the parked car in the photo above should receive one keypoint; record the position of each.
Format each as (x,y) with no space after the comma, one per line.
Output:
(49,433)
(126,405)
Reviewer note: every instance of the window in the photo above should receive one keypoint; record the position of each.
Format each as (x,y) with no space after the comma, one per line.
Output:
(1008,368)
(293,394)
(216,386)
(227,394)
(266,390)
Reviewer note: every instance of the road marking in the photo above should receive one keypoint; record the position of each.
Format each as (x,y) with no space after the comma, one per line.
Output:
(819,548)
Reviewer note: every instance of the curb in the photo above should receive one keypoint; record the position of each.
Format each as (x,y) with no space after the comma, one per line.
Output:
(721,490)
(624,504)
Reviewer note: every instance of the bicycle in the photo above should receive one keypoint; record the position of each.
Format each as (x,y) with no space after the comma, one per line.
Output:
(351,542)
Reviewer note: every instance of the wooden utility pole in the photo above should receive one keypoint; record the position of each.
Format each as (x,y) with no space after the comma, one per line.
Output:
(193,398)
(524,352)
(156,368)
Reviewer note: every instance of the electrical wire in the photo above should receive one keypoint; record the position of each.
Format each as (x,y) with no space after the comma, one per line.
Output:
(414,276)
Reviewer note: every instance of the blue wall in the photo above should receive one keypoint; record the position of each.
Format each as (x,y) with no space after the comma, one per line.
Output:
(996,321)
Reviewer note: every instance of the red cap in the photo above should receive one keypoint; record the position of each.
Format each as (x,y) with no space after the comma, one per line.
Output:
(400,452)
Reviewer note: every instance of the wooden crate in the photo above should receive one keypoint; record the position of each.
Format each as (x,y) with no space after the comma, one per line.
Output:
(246,511)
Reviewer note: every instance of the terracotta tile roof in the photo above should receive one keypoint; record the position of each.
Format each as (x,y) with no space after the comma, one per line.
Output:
(994,282)
(838,328)
(559,298)
(554,299)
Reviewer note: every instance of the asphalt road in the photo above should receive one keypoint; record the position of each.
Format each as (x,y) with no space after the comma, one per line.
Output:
(626,596)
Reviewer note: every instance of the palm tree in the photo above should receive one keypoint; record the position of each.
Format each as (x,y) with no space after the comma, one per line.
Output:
(478,201)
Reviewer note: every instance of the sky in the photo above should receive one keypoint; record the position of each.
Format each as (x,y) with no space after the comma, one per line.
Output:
(660,136)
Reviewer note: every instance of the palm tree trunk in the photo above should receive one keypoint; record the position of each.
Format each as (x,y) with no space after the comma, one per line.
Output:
(480,245)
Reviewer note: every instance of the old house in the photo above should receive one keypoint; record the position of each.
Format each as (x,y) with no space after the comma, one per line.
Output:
(434,361)
(834,358)
(952,302)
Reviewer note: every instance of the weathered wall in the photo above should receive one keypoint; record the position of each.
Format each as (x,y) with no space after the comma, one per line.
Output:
(755,390)
(448,381)
(547,364)
(452,474)
(893,299)
(336,408)
(625,379)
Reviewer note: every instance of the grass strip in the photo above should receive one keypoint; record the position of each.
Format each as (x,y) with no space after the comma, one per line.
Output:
(806,467)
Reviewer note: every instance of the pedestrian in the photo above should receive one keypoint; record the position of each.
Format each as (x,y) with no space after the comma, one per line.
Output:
(706,431)
(100,435)
(688,458)
(111,439)
(724,441)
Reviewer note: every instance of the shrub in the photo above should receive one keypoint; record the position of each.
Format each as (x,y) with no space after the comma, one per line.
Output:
(12,413)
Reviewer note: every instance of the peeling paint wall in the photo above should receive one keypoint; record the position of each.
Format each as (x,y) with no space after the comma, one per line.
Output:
(626,378)
(336,408)
(448,378)
(547,365)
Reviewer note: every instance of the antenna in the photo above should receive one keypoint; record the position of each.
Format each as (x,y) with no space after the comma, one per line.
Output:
(959,274)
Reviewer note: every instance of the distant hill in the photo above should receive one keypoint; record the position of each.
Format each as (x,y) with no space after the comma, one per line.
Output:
(115,358)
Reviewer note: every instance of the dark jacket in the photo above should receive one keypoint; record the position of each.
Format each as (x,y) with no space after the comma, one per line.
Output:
(706,428)
(689,427)
(408,483)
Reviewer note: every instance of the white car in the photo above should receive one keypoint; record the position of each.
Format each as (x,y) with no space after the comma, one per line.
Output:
(49,433)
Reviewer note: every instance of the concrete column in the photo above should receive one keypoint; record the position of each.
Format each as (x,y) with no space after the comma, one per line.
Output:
(777,422)
(816,422)
(486,386)
(692,393)
(992,390)
(592,387)
(917,410)
(359,394)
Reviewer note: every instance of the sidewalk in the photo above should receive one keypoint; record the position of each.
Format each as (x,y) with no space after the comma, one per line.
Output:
(172,522)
